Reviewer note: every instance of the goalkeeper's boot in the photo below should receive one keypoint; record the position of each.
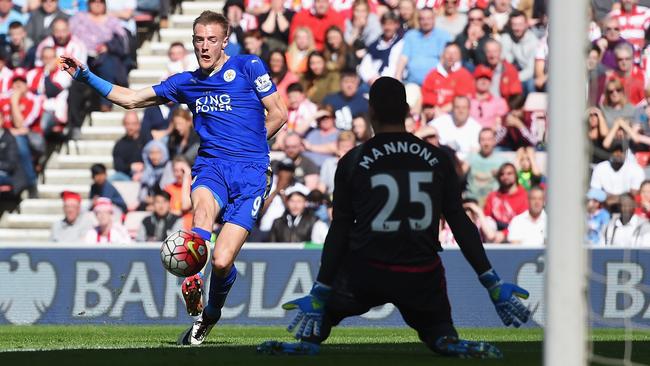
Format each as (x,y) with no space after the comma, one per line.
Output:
(196,334)
(454,346)
(288,348)
(192,290)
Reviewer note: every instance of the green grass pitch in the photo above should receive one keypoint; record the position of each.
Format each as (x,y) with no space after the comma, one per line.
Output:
(230,345)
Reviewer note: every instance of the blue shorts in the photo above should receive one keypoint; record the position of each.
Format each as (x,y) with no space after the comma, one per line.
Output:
(238,187)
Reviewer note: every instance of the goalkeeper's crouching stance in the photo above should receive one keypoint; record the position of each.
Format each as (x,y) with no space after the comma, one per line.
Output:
(382,246)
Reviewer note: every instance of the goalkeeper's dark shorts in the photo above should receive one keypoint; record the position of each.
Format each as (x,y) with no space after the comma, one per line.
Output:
(419,293)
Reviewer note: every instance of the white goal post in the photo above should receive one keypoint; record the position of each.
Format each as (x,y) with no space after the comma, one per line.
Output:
(565,335)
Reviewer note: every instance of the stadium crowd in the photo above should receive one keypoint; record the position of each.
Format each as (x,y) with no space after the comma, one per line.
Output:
(475,73)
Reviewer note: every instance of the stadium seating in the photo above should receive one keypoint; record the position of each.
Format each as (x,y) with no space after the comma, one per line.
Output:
(69,169)
(133,220)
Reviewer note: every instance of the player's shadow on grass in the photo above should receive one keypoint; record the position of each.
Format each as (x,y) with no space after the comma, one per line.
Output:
(375,354)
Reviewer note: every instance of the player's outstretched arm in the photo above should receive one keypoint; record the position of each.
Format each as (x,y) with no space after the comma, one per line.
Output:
(505,296)
(124,97)
(277,114)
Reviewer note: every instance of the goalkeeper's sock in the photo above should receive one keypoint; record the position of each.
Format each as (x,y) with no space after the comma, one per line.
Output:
(219,289)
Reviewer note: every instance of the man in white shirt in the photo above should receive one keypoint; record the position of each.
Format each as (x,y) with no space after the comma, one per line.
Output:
(458,130)
(618,175)
(529,227)
(626,228)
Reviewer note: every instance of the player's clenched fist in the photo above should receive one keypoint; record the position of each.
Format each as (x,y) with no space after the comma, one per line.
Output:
(70,65)
(505,297)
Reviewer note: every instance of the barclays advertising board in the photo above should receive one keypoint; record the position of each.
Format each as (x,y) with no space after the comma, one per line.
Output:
(126,284)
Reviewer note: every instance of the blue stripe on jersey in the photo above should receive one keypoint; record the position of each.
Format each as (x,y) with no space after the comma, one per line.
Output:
(228,113)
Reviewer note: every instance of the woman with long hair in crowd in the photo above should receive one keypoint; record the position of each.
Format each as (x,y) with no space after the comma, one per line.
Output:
(363,28)
(338,54)
(615,104)
(280,73)
(362,129)
(597,130)
(318,81)
(408,14)
(303,44)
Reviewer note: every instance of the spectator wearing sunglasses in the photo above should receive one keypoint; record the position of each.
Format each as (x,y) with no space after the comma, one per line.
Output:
(610,41)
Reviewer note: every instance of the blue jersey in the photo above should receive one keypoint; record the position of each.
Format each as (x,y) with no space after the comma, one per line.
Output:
(228,113)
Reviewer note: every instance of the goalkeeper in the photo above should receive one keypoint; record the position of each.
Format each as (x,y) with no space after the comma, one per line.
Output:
(382,246)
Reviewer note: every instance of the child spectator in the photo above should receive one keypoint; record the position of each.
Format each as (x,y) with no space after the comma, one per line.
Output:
(529,174)
(101,187)
(597,216)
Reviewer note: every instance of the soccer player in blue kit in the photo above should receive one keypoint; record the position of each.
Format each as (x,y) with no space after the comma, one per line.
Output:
(228,97)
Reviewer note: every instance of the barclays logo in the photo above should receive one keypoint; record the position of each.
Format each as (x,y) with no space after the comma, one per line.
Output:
(531,277)
(26,292)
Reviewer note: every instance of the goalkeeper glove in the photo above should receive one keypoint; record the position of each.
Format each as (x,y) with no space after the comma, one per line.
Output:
(505,297)
(309,319)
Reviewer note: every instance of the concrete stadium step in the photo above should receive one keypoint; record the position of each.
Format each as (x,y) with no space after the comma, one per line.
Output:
(90,147)
(176,35)
(31,221)
(70,176)
(161,48)
(110,119)
(24,235)
(53,191)
(179,21)
(42,206)
(152,62)
(102,132)
(197,7)
(79,161)
(146,76)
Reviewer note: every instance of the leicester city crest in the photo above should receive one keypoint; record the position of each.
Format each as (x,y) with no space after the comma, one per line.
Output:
(229,75)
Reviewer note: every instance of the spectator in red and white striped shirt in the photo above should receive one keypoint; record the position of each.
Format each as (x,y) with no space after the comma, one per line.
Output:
(53,84)
(21,112)
(65,43)
(5,73)
(634,20)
